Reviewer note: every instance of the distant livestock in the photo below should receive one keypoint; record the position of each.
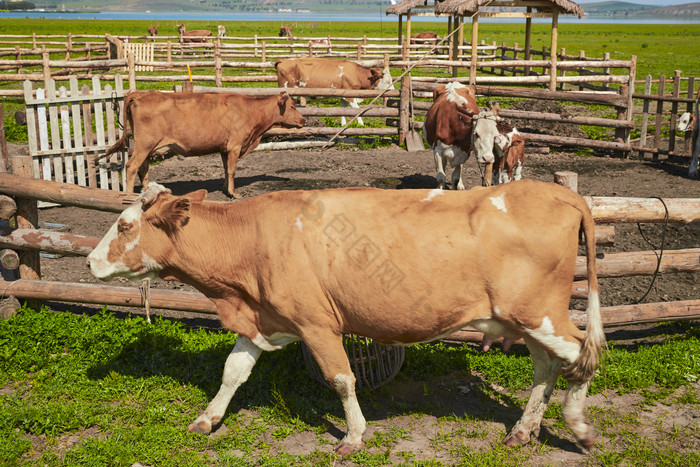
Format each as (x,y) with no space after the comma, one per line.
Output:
(152,30)
(197,124)
(196,35)
(285,31)
(424,38)
(690,122)
(331,73)
(397,266)
(448,129)
(221,31)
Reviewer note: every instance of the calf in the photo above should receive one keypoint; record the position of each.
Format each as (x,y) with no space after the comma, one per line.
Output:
(196,124)
(690,122)
(196,35)
(221,31)
(509,149)
(331,73)
(448,129)
(397,266)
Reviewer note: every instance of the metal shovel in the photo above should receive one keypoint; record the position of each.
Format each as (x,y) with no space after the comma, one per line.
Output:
(414,141)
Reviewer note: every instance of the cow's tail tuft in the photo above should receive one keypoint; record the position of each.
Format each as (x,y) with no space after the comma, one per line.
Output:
(121,142)
(584,367)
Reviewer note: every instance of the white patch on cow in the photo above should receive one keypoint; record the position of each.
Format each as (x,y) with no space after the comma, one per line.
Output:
(275,341)
(684,122)
(301,84)
(432,194)
(299,223)
(453,96)
(499,202)
(386,81)
(341,73)
(285,84)
(565,350)
(496,311)
(344,385)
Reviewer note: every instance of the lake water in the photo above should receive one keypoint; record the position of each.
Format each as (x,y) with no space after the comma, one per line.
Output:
(287,17)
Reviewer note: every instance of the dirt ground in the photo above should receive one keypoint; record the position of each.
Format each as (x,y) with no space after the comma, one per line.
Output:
(394,168)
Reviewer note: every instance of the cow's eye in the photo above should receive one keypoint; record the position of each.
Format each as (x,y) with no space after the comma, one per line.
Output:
(123,228)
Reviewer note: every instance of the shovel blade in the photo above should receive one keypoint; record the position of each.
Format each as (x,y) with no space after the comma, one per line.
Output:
(414,142)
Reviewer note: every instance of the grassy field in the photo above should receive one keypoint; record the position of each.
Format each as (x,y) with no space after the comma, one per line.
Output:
(79,390)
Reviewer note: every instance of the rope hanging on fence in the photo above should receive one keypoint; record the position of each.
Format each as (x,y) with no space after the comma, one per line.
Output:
(408,70)
(661,249)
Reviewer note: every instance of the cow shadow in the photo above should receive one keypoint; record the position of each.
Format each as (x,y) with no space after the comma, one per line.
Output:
(182,187)
(281,378)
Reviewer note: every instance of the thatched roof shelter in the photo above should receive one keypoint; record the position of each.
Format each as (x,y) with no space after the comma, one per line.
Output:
(458,10)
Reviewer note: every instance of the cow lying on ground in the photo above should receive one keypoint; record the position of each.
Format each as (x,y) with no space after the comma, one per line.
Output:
(197,124)
(448,129)
(196,35)
(312,265)
(331,73)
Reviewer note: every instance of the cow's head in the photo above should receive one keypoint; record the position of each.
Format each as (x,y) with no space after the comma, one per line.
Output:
(485,135)
(380,79)
(289,114)
(686,122)
(136,246)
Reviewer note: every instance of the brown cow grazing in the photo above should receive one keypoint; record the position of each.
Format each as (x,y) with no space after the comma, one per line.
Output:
(285,31)
(331,73)
(196,124)
(196,35)
(424,38)
(448,129)
(152,30)
(312,265)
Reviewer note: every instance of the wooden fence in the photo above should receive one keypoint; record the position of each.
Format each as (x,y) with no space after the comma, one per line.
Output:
(608,210)
(68,128)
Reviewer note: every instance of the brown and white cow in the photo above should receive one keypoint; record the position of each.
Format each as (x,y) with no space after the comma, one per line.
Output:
(197,124)
(152,30)
(689,122)
(312,72)
(509,148)
(312,265)
(196,35)
(424,38)
(285,31)
(448,129)
(221,30)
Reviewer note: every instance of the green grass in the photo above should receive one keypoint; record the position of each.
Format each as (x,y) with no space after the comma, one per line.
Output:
(123,391)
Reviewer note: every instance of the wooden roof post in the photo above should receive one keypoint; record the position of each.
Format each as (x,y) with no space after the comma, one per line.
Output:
(528,39)
(408,28)
(475,38)
(449,42)
(553,53)
(400,29)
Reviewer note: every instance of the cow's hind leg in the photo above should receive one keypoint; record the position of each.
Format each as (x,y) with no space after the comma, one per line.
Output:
(331,358)
(439,166)
(354,105)
(545,377)
(230,160)
(238,366)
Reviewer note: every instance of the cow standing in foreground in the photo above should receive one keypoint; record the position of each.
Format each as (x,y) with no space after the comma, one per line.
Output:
(312,265)
(197,124)
(196,35)
(448,129)
(331,73)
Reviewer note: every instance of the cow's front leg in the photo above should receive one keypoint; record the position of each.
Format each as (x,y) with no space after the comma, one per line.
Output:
(238,366)
(545,377)
(353,104)
(330,355)
(439,167)
(488,175)
(230,160)
(457,182)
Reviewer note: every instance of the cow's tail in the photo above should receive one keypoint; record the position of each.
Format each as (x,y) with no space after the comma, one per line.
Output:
(585,365)
(121,142)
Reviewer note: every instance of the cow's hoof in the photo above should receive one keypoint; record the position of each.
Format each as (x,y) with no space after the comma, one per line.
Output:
(513,440)
(201,427)
(345,449)
(587,443)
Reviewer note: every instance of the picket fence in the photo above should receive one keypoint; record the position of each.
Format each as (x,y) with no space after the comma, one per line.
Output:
(69,128)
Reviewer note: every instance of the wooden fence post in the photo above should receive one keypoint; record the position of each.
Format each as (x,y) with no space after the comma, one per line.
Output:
(404,101)
(170,52)
(217,64)
(132,72)
(45,66)
(359,50)
(689,108)
(255,43)
(4,159)
(515,57)
(659,117)
(645,115)
(27,218)
(567,179)
(18,55)
(581,56)
(264,55)
(674,111)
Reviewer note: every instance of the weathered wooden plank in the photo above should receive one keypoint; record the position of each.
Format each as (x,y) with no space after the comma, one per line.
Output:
(98,105)
(89,139)
(55,133)
(78,134)
(119,88)
(31,127)
(111,138)
(44,161)
(65,127)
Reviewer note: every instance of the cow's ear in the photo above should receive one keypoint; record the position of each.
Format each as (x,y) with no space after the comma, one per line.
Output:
(438,91)
(151,193)
(377,74)
(197,196)
(282,99)
(173,214)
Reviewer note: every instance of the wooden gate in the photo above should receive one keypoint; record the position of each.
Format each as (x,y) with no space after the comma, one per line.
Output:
(69,128)
(141,53)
